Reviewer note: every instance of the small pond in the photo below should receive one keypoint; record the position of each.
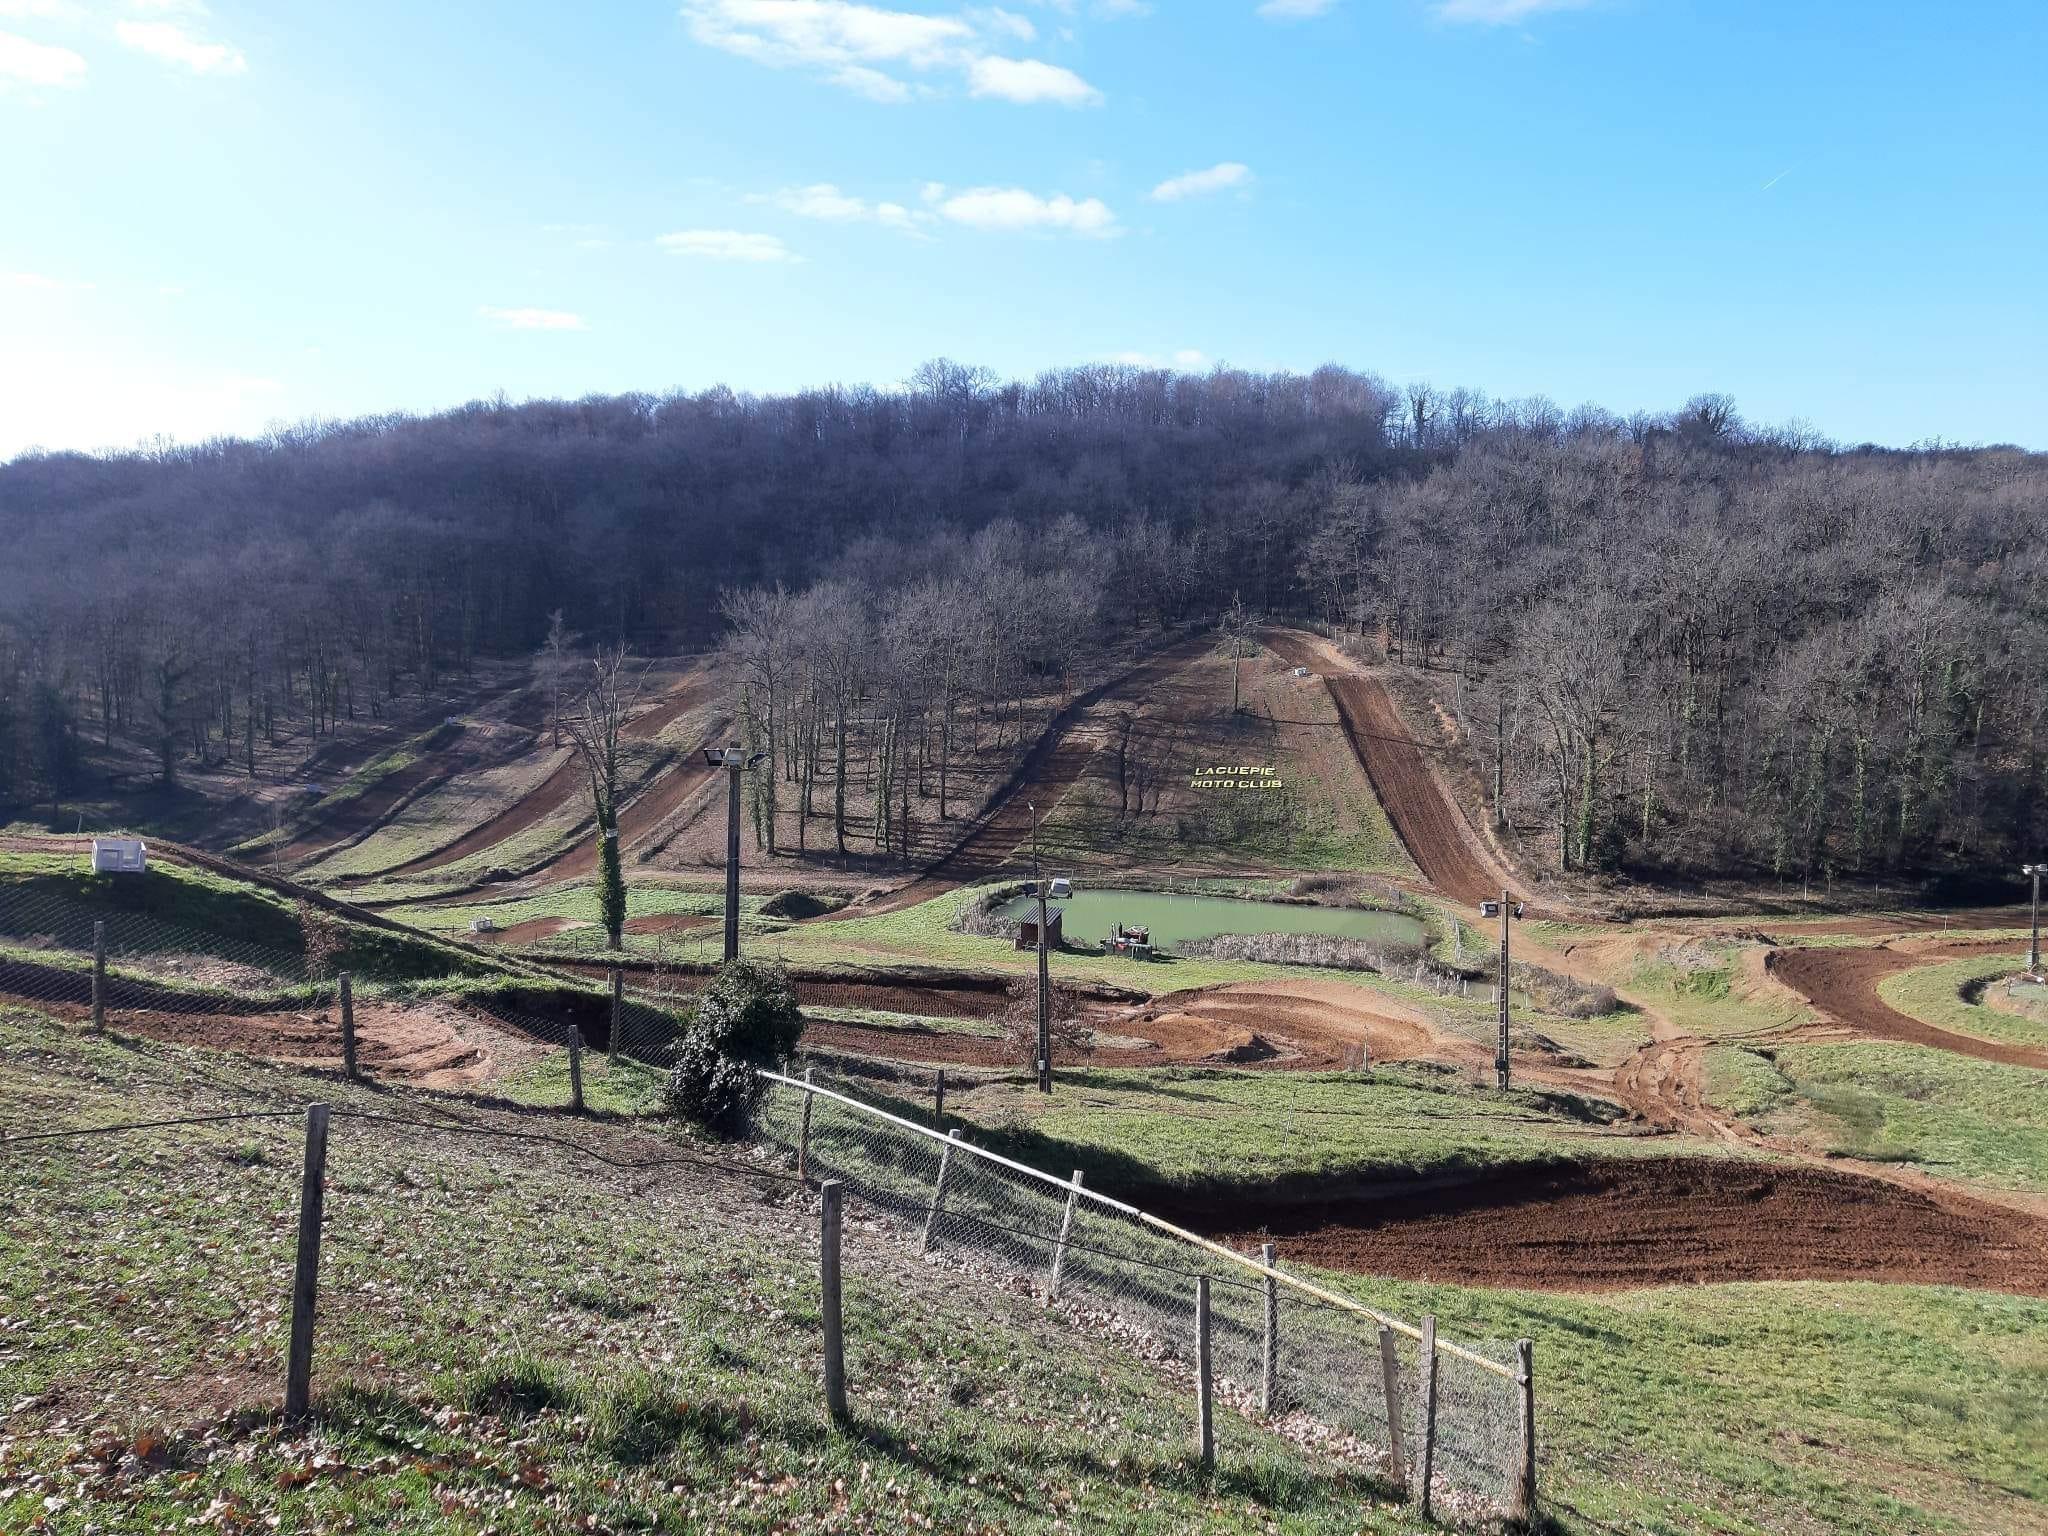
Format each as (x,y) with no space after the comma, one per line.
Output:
(1174,919)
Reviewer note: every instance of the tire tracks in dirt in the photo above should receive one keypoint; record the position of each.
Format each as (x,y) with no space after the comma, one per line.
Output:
(1429,823)
(1842,983)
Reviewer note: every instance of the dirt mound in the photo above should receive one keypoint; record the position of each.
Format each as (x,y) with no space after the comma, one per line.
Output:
(1656,1221)
(1428,822)
(1296,1026)
(1842,982)
(429,1045)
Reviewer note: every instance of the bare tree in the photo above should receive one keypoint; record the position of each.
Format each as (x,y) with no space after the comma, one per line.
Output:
(596,725)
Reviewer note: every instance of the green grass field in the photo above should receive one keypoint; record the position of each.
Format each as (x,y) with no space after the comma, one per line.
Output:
(1933,994)
(1973,1121)
(1193,1131)
(601,1350)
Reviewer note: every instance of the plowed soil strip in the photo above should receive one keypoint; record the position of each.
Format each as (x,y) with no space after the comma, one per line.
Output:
(1429,824)
(1842,983)
(1657,1221)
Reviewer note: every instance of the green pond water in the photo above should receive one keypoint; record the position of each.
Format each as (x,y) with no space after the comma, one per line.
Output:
(1175,919)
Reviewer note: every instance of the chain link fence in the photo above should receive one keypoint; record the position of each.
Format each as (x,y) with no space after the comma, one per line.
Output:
(1451,1423)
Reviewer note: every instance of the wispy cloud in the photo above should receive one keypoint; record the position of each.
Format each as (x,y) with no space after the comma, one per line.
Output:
(870,50)
(1779,177)
(1295,10)
(38,64)
(825,202)
(1014,208)
(532,319)
(1186,360)
(726,245)
(174,43)
(1029,80)
(1502,13)
(1217,178)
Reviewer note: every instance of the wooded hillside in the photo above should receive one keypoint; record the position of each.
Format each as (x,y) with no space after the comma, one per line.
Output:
(1687,643)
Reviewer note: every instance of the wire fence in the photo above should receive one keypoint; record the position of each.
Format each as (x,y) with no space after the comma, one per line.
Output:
(1451,1423)
(388,1006)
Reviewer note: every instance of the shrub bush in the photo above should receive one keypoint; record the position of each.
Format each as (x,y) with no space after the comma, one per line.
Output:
(747,1019)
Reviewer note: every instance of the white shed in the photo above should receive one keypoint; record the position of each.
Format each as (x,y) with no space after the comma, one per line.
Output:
(119,856)
(482,925)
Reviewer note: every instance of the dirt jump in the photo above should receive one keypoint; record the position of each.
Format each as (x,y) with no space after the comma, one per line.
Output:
(1443,844)
(1627,1222)
(423,1045)
(1842,983)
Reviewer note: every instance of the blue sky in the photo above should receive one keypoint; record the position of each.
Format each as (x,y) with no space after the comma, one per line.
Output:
(213,217)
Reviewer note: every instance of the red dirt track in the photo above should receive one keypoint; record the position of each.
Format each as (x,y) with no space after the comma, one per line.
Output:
(1659,1221)
(1842,983)
(1430,826)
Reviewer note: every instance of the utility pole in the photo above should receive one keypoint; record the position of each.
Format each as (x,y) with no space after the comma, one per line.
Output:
(735,761)
(2034,943)
(1044,970)
(1507,908)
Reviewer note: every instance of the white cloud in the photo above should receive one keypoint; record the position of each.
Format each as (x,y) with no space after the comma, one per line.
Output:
(171,42)
(28,63)
(1502,13)
(1198,183)
(869,50)
(1295,10)
(41,10)
(820,201)
(1029,80)
(1013,208)
(726,245)
(69,397)
(532,319)
(1186,360)
(825,202)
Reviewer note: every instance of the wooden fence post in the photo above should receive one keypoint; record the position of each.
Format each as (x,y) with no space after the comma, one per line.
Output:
(828,1288)
(298,1370)
(611,1054)
(576,1068)
(1269,1363)
(1390,1370)
(1428,1469)
(99,976)
(1059,1252)
(939,1099)
(1522,1503)
(348,1027)
(803,1141)
(931,1219)
(1205,1424)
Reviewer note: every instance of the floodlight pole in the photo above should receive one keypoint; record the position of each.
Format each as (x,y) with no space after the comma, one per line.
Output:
(1500,1060)
(735,761)
(2034,943)
(1044,970)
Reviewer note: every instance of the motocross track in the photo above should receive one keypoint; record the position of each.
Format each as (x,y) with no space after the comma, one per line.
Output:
(1052,767)
(1656,1221)
(424,1045)
(1290,1025)
(559,787)
(1438,838)
(1842,983)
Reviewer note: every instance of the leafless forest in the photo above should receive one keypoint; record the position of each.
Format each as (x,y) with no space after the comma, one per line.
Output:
(1675,643)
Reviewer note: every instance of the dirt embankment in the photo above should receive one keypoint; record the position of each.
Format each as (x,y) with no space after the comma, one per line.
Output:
(1438,838)
(1656,1221)
(1842,983)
